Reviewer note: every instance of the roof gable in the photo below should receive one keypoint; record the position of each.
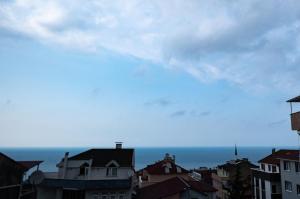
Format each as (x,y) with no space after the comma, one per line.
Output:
(101,157)
(159,168)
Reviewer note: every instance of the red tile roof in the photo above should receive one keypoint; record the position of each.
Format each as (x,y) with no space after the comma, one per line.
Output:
(171,187)
(275,157)
(159,168)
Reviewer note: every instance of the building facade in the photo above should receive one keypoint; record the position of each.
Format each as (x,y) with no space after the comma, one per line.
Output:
(234,170)
(161,171)
(93,174)
(290,175)
(266,178)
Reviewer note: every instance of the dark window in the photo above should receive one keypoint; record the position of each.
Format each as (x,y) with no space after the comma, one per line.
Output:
(298,189)
(263,185)
(112,170)
(297,167)
(73,194)
(83,170)
(274,189)
(273,168)
(269,167)
(288,186)
(286,165)
(263,189)
(263,166)
(256,182)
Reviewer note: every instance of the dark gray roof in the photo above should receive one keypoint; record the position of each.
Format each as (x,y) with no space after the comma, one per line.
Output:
(295,99)
(124,157)
(86,184)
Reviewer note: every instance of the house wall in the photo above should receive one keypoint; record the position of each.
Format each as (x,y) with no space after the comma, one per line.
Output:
(96,173)
(291,176)
(11,173)
(46,193)
(217,184)
(92,194)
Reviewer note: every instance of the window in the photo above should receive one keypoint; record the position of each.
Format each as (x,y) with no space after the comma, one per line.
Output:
(274,189)
(112,171)
(297,167)
(298,190)
(269,167)
(286,165)
(263,185)
(83,170)
(274,169)
(263,189)
(263,167)
(288,186)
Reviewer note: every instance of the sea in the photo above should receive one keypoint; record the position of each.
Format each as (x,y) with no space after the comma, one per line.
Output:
(187,157)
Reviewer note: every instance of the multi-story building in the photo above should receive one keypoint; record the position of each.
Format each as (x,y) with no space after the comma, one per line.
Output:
(93,174)
(227,174)
(266,178)
(290,175)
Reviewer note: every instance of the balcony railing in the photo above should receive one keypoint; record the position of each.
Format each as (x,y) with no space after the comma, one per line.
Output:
(295,121)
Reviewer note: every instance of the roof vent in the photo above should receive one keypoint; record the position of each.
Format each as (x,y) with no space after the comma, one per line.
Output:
(119,145)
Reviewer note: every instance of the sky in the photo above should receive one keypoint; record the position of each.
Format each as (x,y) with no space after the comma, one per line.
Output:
(148,73)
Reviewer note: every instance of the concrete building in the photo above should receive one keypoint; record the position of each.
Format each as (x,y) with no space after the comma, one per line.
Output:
(266,178)
(290,175)
(224,178)
(93,174)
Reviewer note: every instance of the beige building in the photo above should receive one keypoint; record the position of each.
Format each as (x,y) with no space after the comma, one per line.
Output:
(161,171)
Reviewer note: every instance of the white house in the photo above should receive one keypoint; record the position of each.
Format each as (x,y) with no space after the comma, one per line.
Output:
(93,174)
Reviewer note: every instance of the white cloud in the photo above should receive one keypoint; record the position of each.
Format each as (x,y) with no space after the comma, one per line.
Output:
(254,44)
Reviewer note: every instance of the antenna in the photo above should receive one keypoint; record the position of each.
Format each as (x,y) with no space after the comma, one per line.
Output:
(235,152)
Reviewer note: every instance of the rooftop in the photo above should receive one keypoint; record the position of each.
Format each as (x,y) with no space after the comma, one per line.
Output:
(101,157)
(171,187)
(165,167)
(275,157)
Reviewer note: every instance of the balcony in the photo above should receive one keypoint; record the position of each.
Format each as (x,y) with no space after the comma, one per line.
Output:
(295,116)
(295,121)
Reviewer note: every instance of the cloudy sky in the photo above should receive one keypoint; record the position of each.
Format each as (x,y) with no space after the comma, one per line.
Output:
(148,73)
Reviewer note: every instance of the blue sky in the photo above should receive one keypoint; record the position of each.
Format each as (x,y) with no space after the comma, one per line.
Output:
(197,73)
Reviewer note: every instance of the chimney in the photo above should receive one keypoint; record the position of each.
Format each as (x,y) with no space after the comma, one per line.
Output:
(65,164)
(119,145)
(273,150)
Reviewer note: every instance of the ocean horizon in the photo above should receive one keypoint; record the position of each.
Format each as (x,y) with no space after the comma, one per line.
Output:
(187,157)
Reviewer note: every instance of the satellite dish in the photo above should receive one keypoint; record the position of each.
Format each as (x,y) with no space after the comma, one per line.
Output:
(36,177)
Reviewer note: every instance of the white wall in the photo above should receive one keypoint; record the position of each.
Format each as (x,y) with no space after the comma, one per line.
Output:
(268,189)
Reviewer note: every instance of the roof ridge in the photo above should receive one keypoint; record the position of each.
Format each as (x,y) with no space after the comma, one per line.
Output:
(182,180)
